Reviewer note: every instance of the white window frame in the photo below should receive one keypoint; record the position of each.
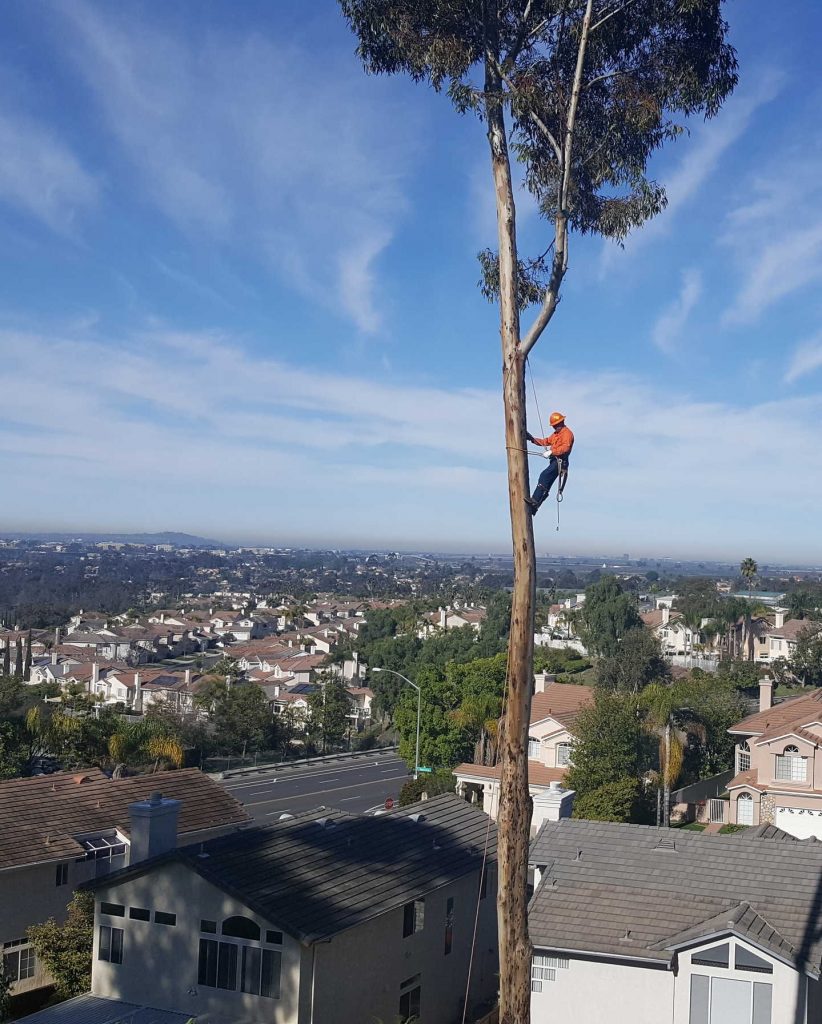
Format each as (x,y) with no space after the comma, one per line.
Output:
(534,746)
(565,760)
(744,800)
(791,766)
(544,968)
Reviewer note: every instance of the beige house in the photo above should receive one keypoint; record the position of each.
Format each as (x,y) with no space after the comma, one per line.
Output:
(322,917)
(58,831)
(554,709)
(778,765)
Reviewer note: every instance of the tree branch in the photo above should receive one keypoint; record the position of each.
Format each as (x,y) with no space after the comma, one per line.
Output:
(611,14)
(513,53)
(546,131)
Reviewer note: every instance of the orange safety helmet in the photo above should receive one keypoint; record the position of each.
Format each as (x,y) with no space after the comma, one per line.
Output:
(556,418)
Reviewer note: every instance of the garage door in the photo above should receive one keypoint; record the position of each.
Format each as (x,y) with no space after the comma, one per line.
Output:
(799,823)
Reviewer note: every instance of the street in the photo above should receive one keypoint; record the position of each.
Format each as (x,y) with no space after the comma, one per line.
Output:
(356,786)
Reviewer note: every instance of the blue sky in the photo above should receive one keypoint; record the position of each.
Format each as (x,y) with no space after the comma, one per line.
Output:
(238,297)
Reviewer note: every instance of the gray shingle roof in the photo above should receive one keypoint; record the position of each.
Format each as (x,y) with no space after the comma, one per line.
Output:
(325,871)
(633,890)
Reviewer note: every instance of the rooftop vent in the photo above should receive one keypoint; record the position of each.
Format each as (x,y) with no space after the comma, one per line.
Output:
(666,844)
(326,823)
(416,817)
(579,855)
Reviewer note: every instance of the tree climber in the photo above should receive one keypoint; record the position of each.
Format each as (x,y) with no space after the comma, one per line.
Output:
(560,442)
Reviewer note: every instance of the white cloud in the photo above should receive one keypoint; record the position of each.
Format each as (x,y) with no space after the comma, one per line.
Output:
(702,152)
(255,144)
(280,450)
(667,330)
(775,237)
(806,358)
(40,175)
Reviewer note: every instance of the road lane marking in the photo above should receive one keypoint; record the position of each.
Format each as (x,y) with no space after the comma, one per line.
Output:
(293,773)
(321,792)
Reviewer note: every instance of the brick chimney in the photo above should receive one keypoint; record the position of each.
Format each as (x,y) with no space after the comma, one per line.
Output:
(765,693)
(153,827)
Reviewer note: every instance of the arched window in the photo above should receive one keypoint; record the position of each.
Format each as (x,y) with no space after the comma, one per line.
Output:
(533,748)
(743,757)
(241,928)
(790,766)
(744,809)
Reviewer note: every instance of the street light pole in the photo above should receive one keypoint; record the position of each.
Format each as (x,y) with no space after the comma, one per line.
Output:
(419,712)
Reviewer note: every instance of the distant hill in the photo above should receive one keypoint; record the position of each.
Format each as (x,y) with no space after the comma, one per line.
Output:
(178,540)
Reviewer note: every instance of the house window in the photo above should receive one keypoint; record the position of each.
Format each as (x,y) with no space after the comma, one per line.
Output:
(541,972)
(161,917)
(241,928)
(743,757)
(61,876)
(413,917)
(113,909)
(533,748)
(449,925)
(716,956)
(747,961)
(259,969)
(208,926)
(139,914)
(790,767)
(18,964)
(410,991)
(563,754)
(744,809)
(110,947)
(729,1001)
(109,853)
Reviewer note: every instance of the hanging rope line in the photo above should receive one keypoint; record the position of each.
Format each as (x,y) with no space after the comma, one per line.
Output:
(562,478)
(536,401)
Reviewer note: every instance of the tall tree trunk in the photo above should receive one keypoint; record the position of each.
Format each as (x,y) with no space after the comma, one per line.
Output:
(514,818)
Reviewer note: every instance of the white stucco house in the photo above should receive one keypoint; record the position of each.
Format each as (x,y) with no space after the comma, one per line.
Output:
(637,925)
(322,917)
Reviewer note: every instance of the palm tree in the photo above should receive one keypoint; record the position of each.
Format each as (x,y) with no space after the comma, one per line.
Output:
(667,719)
(801,604)
(478,714)
(147,738)
(749,569)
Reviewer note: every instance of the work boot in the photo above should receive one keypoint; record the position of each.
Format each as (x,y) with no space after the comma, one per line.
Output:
(533,507)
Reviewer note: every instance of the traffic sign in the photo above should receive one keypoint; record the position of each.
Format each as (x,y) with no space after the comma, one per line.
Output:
(421,769)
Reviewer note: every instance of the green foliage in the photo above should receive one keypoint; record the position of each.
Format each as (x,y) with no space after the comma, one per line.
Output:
(606,616)
(806,661)
(65,949)
(613,801)
(638,661)
(729,829)
(431,785)
(748,569)
(742,675)
(802,604)
(608,743)
(5,996)
(559,661)
(329,709)
(241,718)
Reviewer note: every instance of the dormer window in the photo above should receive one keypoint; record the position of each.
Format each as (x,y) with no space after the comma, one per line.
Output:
(790,766)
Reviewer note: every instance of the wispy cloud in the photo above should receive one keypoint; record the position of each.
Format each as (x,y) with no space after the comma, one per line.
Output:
(702,152)
(667,331)
(40,175)
(806,358)
(775,237)
(256,145)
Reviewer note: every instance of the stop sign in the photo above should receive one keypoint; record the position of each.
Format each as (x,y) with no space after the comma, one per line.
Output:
(389,803)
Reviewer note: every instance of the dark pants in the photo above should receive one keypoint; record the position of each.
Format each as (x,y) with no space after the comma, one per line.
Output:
(545,482)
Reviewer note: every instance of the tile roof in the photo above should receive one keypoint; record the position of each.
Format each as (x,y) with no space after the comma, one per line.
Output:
(634,890)
(538,773)
(40,816)
(562,701)
(794,711)
(324,871)
(747,778)
(792,628)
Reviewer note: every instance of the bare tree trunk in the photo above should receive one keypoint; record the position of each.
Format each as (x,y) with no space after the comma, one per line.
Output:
(514,816)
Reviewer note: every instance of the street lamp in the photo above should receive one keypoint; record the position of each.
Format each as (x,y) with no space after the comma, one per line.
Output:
(419,710)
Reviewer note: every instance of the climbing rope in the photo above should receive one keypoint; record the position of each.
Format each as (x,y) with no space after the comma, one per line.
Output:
(562,476)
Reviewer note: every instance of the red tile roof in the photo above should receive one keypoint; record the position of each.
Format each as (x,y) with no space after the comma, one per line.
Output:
(538,773)
(39,817)
(792,712)
(562,701)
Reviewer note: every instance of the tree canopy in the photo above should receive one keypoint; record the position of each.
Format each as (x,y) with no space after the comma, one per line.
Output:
(606,616)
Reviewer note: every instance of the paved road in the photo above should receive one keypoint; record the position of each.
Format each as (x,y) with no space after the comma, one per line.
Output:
(355,786)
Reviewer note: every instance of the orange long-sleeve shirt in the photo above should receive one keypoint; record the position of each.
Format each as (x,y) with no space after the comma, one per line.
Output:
(560,442)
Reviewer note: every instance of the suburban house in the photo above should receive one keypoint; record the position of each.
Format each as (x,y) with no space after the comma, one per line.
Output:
(57,831)
(554,709)
(320,917)
(778,766)
(453,618)
(779,641)
(631,923)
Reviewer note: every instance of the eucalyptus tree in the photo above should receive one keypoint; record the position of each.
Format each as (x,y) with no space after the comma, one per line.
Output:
(582,92)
